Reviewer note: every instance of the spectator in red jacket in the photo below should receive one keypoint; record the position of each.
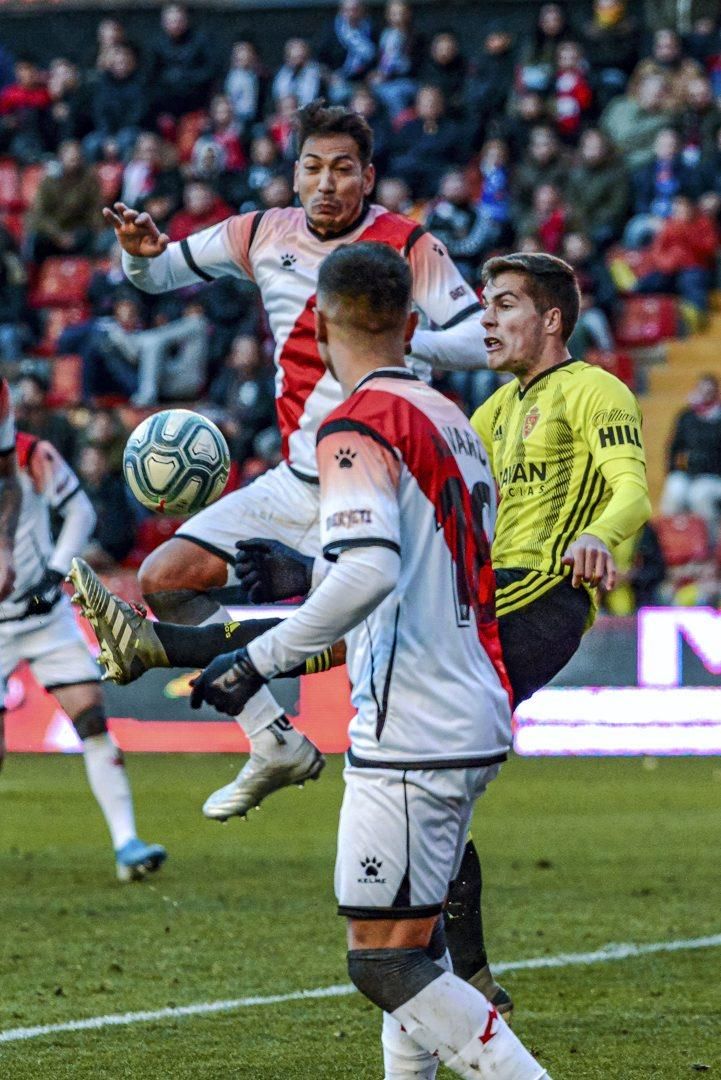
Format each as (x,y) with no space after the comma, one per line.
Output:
(547,218)
(683,254)
(573,96)
(24,114)
(201,208)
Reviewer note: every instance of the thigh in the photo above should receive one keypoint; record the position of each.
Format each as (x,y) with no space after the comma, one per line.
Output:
(539,639)
(56,651)
(398,843)
(276,506)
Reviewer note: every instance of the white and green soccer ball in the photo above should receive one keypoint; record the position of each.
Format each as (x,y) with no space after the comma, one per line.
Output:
(176,462)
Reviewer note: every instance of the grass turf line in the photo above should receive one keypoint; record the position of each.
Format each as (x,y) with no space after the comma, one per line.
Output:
(576,853)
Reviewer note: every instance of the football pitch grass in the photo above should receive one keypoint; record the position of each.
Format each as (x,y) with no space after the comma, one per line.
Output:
(577,854)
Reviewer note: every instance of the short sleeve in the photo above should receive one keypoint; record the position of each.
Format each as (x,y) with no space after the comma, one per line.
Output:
(610,420)
(359,475)
(52,476)
(7,419)
(439,290)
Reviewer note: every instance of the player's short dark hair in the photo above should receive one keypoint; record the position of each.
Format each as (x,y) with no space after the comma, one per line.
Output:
(317,118)
(549,281)
(371,281)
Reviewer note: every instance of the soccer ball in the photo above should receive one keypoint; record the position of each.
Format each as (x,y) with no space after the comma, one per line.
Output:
(176,462)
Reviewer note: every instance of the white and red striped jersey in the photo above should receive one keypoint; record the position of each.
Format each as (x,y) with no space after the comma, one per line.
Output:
(400,467)
(280,251)
(7,419)
(46,482)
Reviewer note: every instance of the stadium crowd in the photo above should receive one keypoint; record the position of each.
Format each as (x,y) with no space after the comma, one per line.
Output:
(597,139)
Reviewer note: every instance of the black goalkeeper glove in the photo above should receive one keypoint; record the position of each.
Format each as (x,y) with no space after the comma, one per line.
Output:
(228,683)
(270,571)
(44,594)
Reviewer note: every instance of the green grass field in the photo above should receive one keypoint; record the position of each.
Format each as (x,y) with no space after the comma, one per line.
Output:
(577,854)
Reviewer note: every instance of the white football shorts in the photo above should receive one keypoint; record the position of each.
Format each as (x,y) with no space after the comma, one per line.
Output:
(401,838)
(276,506)
(53,646)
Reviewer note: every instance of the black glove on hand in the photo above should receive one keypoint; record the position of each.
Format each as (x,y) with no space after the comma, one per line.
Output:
(270,571)
(228,683)
(44,594)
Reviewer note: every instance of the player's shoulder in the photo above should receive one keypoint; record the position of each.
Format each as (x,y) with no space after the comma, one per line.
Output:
(26,446)
(585,378)
(387,227)
(255,227)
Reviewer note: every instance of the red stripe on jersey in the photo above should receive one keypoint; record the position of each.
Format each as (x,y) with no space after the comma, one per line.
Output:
(299,358)
(24,446)
(430,460)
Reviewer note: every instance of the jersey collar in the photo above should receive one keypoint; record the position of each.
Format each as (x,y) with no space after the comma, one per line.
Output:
(344,232)
(392,372)
(537,378)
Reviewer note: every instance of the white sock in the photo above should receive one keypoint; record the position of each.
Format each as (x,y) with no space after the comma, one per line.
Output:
(449,1017)
(109,784)
(403,1057)
(261,710)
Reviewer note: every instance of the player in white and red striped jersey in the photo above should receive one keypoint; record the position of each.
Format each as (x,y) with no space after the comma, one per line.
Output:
(37,626)
(281,250)
(9,493)
(407,506)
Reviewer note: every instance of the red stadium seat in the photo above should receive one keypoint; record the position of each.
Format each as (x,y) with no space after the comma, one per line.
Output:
(14,223)
(190,127)
(62,282)
(647,320)
(619,364)
(56,321)
(10,196)
(683,538)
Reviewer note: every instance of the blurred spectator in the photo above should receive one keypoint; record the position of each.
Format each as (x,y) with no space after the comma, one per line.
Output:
(106,283)
(7,67)
(698,122)
(572,95)
(660,13)
(231,307)
(682,256)
(300,76)
(641,569)
(610,39)
(208,165)
(245,388)
(265,163)
(446,68)
(488,88)
(182,64)
(546,218)
(667,60)
(245,85)
(110,33)
(703,42)
(400,54)
(107,348)
(348,48)
(114,532)
(172,359)
(597,191)
(71,112)
(494,203)
(543,163)
(656,184)
(598,297)
(14,329)
(453,219)
(633,120)
(151,180)
(424,147)
(538,57)
(527,111)
(25,114)
(366,104)
(34,415)
(394,194)
(119,103)
(201,208)
(65,217)
(225,130)
(281,127)
(105,431)
(276,193)
(694,460)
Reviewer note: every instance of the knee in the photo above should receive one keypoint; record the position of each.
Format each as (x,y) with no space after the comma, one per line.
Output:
(180,564)
(390,977)
(91,721)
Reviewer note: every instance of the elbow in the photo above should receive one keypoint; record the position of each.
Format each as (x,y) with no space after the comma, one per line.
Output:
(644,508)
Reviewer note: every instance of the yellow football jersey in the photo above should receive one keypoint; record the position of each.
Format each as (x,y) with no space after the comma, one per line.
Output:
(546,443)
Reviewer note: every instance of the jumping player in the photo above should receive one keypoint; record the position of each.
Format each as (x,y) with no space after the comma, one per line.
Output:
(406,509)
(281,251)
(37,625)
(9,494)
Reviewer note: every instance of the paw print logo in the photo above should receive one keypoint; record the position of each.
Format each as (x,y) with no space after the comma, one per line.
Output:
(438,250)
(371,866)
(288,261)
(345,458)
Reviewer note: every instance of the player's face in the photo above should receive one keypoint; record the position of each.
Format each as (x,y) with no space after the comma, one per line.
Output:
(514,330)
(331,182)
